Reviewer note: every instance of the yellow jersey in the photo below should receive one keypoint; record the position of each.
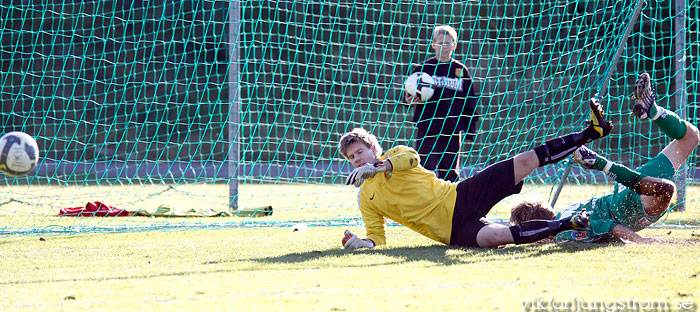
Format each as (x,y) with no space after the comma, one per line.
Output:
(410,195)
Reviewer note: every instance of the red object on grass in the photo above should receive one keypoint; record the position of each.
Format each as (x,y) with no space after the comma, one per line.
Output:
(96,209)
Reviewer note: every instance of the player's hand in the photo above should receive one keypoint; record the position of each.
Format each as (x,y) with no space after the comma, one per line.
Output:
(411,100)
(351,241)
(360,174)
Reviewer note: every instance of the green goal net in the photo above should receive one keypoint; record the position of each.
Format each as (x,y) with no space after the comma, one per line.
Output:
(204,114)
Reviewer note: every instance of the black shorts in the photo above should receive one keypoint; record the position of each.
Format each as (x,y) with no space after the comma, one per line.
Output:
(476,196)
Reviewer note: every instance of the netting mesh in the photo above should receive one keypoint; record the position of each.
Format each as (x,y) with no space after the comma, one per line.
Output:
(131,102)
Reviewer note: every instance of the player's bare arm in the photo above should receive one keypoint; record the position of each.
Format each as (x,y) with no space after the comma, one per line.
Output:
(623,232)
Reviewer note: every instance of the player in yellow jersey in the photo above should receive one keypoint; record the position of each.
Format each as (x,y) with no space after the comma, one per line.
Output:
(397,187)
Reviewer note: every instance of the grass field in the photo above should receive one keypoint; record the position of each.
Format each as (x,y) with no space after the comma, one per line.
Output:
(238,268)
(281,270)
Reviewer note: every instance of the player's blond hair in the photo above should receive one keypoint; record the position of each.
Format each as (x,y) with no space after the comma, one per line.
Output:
(444,30)
(531,210)
(359,135)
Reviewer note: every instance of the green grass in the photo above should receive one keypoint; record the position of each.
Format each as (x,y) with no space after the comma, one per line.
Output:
(277,269)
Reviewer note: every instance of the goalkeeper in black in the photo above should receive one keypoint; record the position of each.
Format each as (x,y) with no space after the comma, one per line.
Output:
(449,112)
(397,187)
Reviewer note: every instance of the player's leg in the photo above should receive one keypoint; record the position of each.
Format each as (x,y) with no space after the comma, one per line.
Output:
(554,150)
(494,235)
(493,178)
(679,150)
(448,166)
(438,156)
(425,144)
(476,196)
(685,134)
(637,182)
(449,160)
(659,191)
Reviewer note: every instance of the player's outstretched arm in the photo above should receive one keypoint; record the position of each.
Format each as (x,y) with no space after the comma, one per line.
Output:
(623,232)
(366,171)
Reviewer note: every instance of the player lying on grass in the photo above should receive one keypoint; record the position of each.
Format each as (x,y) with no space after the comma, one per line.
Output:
(646,192)
(395,186)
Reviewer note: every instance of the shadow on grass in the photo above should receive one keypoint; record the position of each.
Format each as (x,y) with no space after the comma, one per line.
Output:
(437,254)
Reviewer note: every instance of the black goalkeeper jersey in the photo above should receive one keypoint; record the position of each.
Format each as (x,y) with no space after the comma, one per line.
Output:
(452,108)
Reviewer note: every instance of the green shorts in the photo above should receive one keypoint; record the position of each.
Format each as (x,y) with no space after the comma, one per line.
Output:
(622,207)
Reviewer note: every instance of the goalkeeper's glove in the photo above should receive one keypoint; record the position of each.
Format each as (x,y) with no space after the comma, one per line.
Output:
(351,241)
(364,172)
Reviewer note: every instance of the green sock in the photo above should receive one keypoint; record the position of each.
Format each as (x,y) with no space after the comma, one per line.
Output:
(600,163)
(672,125)
(623,175)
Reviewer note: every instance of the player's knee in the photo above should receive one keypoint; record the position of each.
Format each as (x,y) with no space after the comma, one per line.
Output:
(666,189)
(494,236)
(526,160)
(692,134)
(662,198)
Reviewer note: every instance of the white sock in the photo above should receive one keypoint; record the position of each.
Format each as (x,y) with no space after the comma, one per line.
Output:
(608,166)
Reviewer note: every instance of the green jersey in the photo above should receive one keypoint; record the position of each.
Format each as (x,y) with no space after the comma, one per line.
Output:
(622,207)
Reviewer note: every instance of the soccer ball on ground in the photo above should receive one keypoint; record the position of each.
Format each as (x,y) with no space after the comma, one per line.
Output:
(19,153)
(420,85)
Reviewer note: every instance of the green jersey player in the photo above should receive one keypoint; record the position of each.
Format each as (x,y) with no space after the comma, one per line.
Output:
(644,194)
